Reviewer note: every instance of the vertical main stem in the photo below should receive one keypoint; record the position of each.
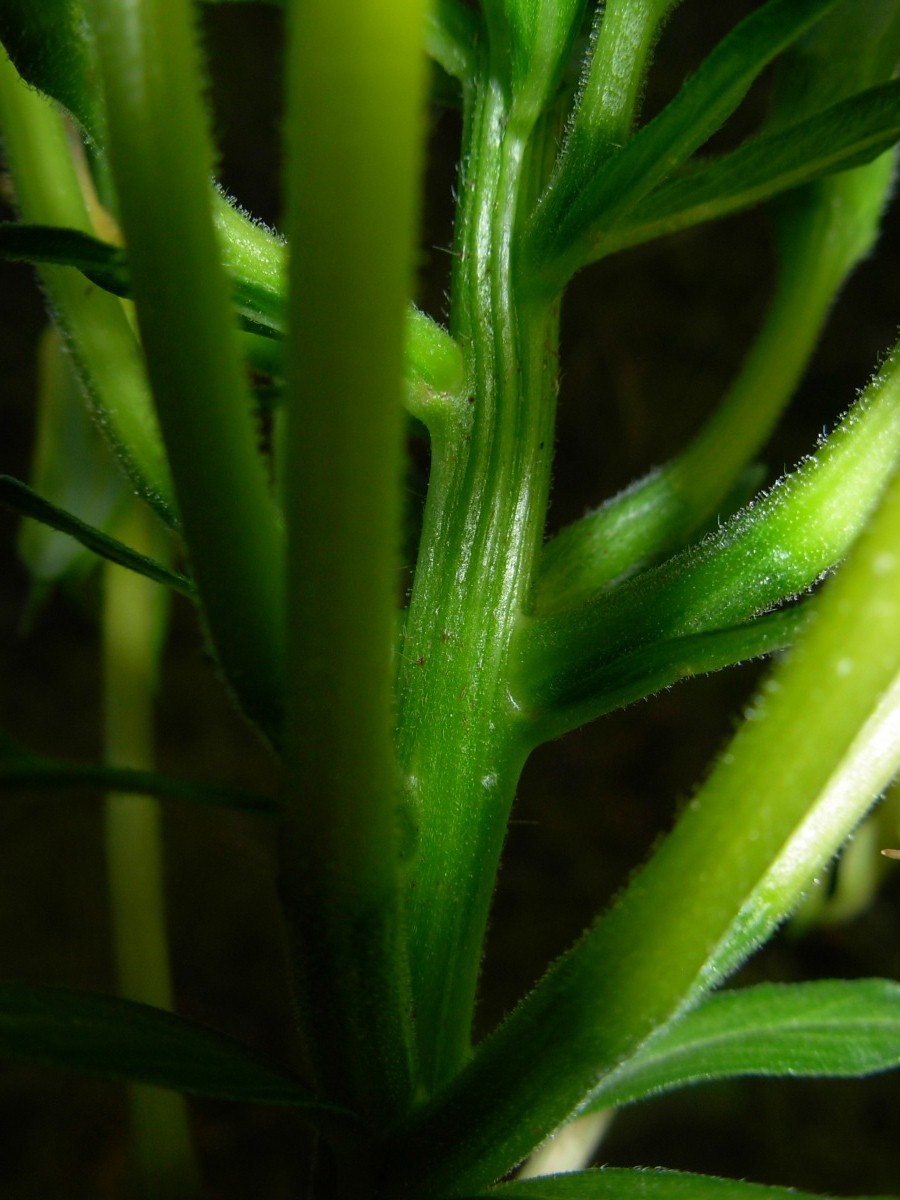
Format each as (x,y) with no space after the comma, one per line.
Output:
(484,520)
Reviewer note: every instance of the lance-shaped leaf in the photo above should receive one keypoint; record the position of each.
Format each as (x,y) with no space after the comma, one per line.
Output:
(255,258)
(102,263)
(124,1040)
(823,231)
(650,669)
(641,1183)
(24,770)
(827,1028)
(845,135)
(20,498)
(868,767)
(564,222)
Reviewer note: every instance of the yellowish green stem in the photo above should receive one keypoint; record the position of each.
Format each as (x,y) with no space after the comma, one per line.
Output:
(134,614)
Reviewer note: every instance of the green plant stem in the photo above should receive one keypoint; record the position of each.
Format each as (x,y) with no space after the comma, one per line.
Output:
(643,962)
(777,546)
(38,154)
(133,613)
(819,247)
(459,749)
(159,149)
(626,32)
(353,132)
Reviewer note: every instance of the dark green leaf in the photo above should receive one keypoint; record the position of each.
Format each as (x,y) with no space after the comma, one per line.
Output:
(652,668)
(50,45)
(120,1039)
(846,135)
(862,35)
(704,103)
(19,498)
(617,1183)
(827,1028)
(102,263)
(21,769)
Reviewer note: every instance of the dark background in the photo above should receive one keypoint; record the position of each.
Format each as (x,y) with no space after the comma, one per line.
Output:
(650,341)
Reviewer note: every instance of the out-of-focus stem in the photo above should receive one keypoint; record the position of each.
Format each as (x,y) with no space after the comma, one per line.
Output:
(134,613)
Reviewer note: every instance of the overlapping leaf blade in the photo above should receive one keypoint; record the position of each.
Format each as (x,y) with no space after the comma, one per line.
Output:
(566,224)
(826,1028)
(845,135)
(20,498)
(124,1040)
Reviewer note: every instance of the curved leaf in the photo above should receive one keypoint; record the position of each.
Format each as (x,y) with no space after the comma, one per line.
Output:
(848,134)
(564,221)
(649,670)
(19,498)
(102,263)
(827,1028)
(618,1183)
(20,768)
(124,1040)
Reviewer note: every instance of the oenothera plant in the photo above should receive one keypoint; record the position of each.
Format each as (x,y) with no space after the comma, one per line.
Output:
(255,390)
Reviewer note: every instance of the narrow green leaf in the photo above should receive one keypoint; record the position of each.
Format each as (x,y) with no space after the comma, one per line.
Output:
(567,224)
(22,769)
(652,668)
(124,1040)
(862,35)
(870,764)
(850,133)
(50,44)
(827,1028)
(19,498)
(641,1183)
(102,263)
